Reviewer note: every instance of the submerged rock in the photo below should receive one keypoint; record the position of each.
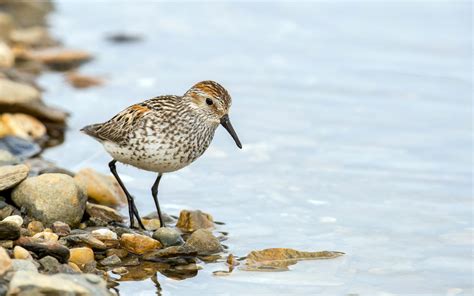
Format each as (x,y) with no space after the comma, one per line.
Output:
(193,220)
(32,283)
(102,189)
(203,242)
(168,236)
(11,175)
(138,244)
(51,197)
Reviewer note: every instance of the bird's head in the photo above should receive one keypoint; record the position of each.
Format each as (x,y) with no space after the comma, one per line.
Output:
(213,101)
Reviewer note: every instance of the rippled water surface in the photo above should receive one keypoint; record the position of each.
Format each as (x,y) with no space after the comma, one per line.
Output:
(356,125)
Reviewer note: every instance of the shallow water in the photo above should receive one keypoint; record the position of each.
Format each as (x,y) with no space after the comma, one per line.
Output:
(356,125)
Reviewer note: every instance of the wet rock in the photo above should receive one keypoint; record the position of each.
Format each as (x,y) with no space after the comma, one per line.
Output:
(6,158)
(85,239)
(7,59)
(32,283)
(81,256)
(21,253)
(42,249)
(168,236)
(15,219)
(35,227)
(121,253)
(151,224)
(102,189)
(278,259)
(169,252)
(5,261)
(62,59)
(103,213)
(111,260)
(9,231)
(203,242)
(46,236)
(21,264)
(12,175)
(51,197)
(22,126)
(83,81)
(193,220)
(18,147)
(61,228)
(138,244)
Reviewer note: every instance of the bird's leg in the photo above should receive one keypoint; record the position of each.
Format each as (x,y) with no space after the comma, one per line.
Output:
(132,209)
(154,192)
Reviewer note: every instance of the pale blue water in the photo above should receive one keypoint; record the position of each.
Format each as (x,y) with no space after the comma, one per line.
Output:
(356,121)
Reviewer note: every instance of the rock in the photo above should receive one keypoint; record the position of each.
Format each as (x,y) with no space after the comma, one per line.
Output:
(121,253)
(278,259)
(28,13)
(231,261)
(7,244)
(193,220)
(18,97)
(21,253)
(81,256)
(102,189)
(6,158)
(32,37)
(7,59)
(21,264)
(5,210)
(42,249)
(168,236)
(35,227)
(82,81)
(169,252)
(5,261)
(103,213)
(50,264)
(6,25)
(111,260)
(39,166)
(120,270)
(61,59)
(46,236)
(32,283)
(22,126)
(51,197)
(15,219)
(104,234)
(85,239)
(124,38)
(151,224)
(203,242)
(12,175)
(61,228)
(9,231)
(138,244)
(75,267)
(18,147)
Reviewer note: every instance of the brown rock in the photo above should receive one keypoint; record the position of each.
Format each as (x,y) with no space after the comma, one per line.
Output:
(193,220)
(62,59)
(276,259)
(7,58)
(121,253)
(169,252)
(203,242)
(61,228)
(31,37)
(17,93)
(5,261)
(42,249)
(103,213)
(138,244)
(82,81)
(102,189)
(12,175)
(81,256)
(21,125)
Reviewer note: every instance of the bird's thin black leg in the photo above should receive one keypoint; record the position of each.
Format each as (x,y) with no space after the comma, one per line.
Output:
(132,209)
(154,192)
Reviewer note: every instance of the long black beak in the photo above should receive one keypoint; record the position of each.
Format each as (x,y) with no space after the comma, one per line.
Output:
(225,121)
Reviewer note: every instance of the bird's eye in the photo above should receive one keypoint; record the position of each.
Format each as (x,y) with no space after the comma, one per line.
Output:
(209,101)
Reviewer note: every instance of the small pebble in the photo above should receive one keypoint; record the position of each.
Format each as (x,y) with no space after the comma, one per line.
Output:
(21,253)
(35,227)
(47,236)
(120,270)
(104,234)
(74,267)
(61,228)
(18,220)
(168,236)
(81,256)
(111,260)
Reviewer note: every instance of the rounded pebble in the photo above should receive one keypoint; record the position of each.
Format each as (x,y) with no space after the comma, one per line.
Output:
(18,220)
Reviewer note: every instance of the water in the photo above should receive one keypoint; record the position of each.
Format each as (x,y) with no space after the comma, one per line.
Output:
(356,125)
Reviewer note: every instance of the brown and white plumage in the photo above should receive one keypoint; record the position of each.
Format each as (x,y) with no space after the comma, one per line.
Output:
(164,134)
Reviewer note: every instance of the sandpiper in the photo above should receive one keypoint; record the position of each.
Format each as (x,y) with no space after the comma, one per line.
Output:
(164,134)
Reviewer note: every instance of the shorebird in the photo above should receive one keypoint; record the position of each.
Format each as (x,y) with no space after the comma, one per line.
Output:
(164,134)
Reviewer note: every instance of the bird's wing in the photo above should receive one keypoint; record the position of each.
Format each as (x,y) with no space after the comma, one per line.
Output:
(119,127)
